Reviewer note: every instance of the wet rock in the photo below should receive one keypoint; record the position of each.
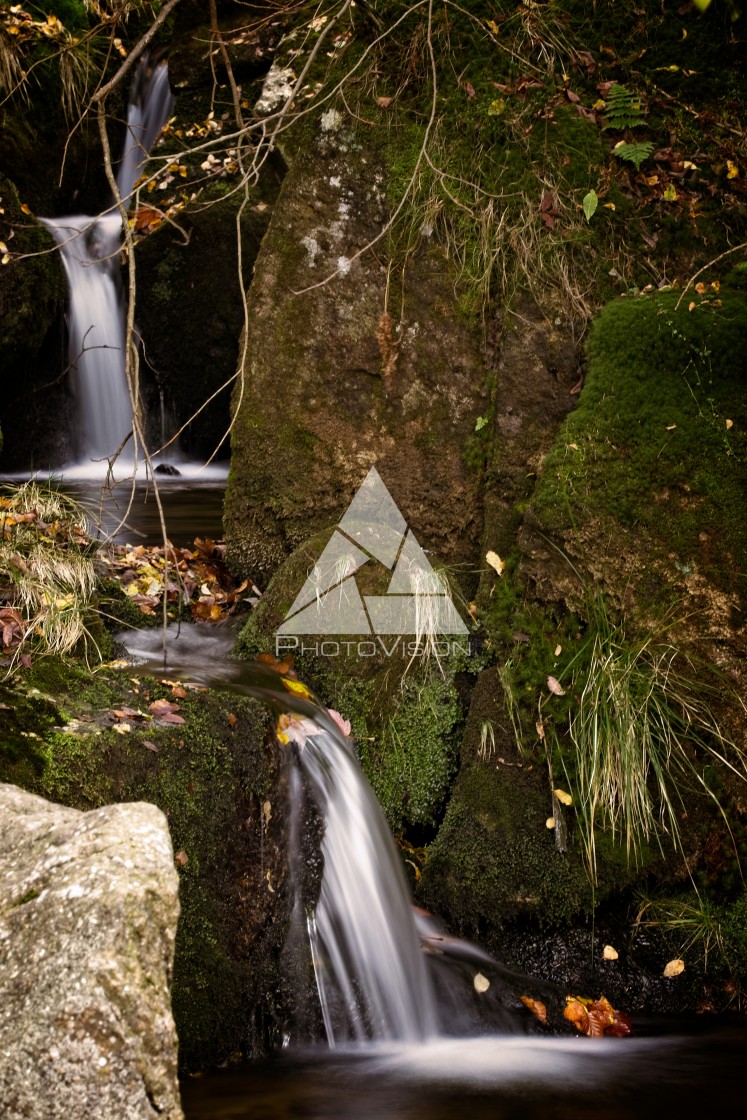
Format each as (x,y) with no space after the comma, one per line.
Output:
(88,911)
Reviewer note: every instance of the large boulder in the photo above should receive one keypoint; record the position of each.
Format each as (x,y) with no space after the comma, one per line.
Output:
(347,365)
(88,912)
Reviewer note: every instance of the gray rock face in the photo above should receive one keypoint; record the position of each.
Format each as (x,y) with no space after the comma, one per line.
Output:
(88,911)
(341,372)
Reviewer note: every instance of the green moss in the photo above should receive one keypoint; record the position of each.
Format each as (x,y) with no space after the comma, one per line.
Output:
(494,860)
(650,444)
(210,776)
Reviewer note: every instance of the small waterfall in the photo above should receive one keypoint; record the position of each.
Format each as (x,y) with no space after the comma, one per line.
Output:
(89,247)
(370,970)
(369,966)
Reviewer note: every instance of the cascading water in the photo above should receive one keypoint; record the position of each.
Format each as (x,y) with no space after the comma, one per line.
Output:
(89,247)
(370,970)
(369,967)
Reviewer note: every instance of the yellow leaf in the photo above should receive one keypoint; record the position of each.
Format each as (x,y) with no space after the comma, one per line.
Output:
(609,954)
(492,26)
(574,447)
(732,171)
(297,687)
(691,306)
(25,208)
(563,797)
(689,165)
(609,205)
(550,822)
(729,424)
(674,968)
(481,982)
(670,194)
(671,427)
(558,651)
(495,562)
(5,259)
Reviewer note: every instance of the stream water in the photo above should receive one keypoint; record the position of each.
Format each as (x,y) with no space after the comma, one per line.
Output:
(89,248)
(403,1044)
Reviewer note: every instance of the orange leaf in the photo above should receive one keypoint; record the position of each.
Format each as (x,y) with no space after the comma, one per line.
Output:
(536,1006)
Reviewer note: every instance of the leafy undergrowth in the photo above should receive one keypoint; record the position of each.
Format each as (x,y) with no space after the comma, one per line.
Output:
(195,578)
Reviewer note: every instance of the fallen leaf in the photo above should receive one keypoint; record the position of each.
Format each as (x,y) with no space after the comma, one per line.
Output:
(495,562)
(469,89)
(151,746)
(671,427)
(122,728)
(383,102)
(536,1006)
(550,822)
(181,859)
(609,954)
(232,719)
(558,651)
(555,687)
(266,812)
(481,983)
(563,797)
(674,968)
(732,171)
(729,424)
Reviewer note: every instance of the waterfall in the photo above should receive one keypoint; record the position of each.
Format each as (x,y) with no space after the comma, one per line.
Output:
(369,967)
(89,247)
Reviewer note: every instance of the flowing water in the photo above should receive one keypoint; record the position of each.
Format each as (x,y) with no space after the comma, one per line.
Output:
(391,1054)
(89,247)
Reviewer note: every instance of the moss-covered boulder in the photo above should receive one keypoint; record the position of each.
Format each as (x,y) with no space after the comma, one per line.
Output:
(405,711)
(218,779)
(346,367)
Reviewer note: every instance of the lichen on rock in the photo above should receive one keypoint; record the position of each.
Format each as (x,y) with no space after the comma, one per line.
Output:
(88,911)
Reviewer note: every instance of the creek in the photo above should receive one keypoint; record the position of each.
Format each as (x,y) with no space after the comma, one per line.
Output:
(405,1039)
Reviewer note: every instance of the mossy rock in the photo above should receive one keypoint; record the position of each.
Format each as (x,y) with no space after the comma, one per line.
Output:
(644,488)
(211,776)
(495,863)
(405,717)
(331,384)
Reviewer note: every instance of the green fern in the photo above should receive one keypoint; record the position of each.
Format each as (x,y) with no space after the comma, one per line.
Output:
(623,108)
(634,153)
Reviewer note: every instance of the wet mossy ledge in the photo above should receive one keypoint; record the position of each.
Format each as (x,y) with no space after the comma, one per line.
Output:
(218,779)
(406,713)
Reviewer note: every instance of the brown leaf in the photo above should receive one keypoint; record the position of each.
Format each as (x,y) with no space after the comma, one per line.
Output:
(161,707)
(181,859)
(170,717)
(536,1006)
(469,89)
(151,746)
(572,96)
(232,719)
(383,102)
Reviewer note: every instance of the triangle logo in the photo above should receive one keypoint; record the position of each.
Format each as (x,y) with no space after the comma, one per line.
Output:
(417,601)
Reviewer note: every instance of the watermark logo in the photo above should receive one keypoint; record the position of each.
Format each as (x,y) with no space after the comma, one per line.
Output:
(417,602)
